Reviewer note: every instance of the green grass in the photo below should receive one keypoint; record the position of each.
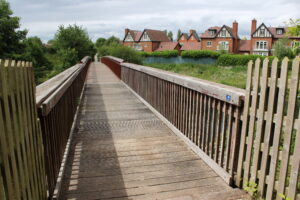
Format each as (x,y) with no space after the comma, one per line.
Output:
(232,76)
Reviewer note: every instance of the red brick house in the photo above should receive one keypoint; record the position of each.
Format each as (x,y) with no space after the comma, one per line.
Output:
(263,38)
(183,38)
(244,47)
(148,40)
(190,42)
(131,38)
(221,38)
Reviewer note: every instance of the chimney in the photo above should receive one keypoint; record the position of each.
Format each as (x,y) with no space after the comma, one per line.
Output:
(253,25)
(235,28)
(191,31)
(126,31)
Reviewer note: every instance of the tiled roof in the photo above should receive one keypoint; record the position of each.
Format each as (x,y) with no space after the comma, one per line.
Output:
(135,34)
(245,45)
(274,32)
(206,33)
(183,34)
(157,36)
(195,35)
(191,46)
(165,46)
(231,31)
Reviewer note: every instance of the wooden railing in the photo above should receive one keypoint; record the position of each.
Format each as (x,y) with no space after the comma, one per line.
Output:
(57,100)
(22,168)
(250,137)
(206,113)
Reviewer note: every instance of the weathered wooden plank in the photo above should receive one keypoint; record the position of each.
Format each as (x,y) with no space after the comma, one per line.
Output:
(269,123)
(260,121)
(277,129)
(256,80)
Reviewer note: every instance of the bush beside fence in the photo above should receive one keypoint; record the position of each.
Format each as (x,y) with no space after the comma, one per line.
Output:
(165,54)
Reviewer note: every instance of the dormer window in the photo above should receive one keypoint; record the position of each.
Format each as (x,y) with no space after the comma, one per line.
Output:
(212,32)
(279,31)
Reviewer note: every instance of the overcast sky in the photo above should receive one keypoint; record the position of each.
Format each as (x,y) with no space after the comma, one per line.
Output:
(103,18)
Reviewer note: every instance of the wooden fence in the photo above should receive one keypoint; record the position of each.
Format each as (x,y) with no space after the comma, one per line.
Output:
(22,169)
(247,137)
(270,141)
(57,101)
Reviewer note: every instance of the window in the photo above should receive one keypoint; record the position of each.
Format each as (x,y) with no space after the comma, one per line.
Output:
(208,44)
(223,33)
(262,32)
(261,45)
(279,31)
(212,32)
(182,38)
(192,38)
(295,44)
(145,36)
(223,45)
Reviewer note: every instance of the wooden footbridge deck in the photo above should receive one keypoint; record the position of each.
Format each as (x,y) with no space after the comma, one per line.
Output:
(121,150)
(116,130)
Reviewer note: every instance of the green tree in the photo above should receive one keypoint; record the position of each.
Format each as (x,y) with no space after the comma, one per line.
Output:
(178,34)
(10,36)
(294,27)
(112,40)
(73,39)
(170,35)
(282,48)
(100,42)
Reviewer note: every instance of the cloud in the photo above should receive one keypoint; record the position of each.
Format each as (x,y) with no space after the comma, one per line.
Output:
(103,18)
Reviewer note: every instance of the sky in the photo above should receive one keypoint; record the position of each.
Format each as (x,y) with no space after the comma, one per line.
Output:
(104,18)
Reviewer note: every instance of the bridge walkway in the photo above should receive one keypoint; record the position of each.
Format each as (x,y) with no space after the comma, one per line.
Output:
(121,150)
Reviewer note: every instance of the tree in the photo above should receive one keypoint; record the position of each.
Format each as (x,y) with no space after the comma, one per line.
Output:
(178,34)
(112,40)
(294,27)
(10,37)
(74,39)
(170,35)
(100,42)
(282,48)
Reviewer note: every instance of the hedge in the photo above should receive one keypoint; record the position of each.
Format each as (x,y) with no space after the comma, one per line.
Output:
(200,54)
(165,54)
(236,59)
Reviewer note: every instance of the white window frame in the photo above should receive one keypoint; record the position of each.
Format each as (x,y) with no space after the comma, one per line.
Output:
(279,31)
(223,33)
(224,45)
(262,32)
(209,43)
(261,45)
(212,32)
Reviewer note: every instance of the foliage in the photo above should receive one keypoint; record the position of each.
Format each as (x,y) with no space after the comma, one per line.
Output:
(236,60)
(100,42)
(200,54)
(294,27)
(282,48)
(284,197)
(170,35)
(251,188)
(112,40)
(165,54)
(233,76)
(118,50)
(178,34)
(10,36)
(72,41)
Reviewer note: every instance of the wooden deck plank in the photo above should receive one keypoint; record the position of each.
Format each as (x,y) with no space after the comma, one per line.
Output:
(120,149)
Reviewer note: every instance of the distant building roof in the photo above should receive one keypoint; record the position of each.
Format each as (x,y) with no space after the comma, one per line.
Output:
(195,34)
(245,45)
(165,46)
(183,34)
(135,34)
(206,33)
(157,36)
(191,46)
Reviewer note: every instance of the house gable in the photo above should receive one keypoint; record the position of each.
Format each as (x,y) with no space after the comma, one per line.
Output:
(262,32)
(128,38)
(145,37)
(224,33)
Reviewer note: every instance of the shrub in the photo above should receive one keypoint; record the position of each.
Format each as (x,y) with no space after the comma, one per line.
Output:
(165,54)
(126,53)
(200,54)
(234,59)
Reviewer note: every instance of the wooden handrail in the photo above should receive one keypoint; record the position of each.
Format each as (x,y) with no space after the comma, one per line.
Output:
(222,92)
